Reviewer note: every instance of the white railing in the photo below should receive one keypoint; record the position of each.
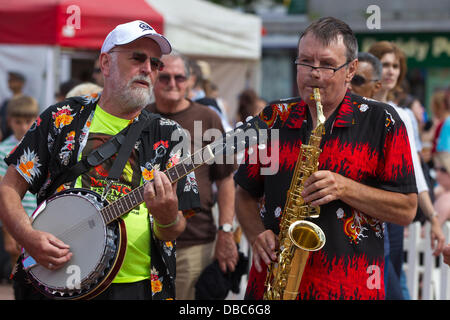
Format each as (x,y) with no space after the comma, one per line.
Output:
(427,277)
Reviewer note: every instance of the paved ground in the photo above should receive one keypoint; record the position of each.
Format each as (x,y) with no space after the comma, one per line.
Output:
(6,292)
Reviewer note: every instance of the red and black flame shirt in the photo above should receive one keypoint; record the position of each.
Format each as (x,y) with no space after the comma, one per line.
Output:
(364,140)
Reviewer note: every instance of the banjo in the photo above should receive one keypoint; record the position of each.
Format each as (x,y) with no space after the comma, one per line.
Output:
(94,231)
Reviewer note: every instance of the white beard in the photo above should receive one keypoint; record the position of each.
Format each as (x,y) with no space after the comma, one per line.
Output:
(133,98)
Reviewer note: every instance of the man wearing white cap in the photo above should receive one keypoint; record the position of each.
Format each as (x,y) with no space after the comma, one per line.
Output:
(67,132)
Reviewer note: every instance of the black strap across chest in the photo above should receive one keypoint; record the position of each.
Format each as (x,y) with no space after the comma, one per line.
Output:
(123,143)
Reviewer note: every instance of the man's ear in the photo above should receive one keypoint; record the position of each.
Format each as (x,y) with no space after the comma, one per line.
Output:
(376,87)
(352,67)
(105,63)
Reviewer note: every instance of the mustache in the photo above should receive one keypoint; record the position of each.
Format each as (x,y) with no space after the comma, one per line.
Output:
(141,78)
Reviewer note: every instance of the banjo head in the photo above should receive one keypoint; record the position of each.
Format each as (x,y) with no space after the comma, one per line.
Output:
(74,218)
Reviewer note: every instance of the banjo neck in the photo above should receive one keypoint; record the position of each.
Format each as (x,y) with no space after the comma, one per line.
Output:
(136,196)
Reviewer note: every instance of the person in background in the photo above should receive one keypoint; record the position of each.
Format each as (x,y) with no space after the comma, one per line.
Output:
(203,91)
(442,204)
(21,114)
(97,74)
(440,110)
(202,242)
(443,138)
(195,81)
(16,83)
(250,104)
(85,89)
(446,254)
(394,65)
(367,82)
(65,87)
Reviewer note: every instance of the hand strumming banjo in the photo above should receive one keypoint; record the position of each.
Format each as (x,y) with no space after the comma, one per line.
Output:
(94,231)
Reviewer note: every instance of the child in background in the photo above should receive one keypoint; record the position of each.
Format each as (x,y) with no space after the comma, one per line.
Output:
(21,114)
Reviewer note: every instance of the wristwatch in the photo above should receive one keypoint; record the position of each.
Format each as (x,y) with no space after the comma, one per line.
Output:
(226,227)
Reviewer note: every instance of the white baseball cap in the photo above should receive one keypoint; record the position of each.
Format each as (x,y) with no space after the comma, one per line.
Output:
(131,31)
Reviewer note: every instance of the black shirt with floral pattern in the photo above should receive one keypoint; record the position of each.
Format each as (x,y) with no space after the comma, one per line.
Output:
(56,140)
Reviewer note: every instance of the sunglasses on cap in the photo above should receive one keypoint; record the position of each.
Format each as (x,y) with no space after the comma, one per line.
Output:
(165,78)
(155,63)
(359,80)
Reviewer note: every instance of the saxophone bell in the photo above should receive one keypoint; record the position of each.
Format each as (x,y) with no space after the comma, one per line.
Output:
(305,237)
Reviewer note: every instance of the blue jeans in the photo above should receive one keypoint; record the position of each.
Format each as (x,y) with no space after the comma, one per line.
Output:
(394,263)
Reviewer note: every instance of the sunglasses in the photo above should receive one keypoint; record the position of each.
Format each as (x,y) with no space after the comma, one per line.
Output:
(165,78)
(441,169)
(155,63)
(359,80)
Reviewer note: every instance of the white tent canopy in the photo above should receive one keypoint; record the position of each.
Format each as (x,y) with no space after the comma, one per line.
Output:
(200,28)
(228,40)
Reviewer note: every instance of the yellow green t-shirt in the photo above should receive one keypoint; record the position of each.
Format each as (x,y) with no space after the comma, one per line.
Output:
(136,264)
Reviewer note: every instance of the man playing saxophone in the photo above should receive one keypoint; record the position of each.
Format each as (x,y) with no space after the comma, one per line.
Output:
(364,175)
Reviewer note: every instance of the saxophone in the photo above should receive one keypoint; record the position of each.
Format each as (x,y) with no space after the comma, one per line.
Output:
(297,236)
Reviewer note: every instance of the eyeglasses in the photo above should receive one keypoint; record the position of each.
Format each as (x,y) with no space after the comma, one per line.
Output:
(97,70)
(359,80)
(165,78)
(155,63)
(325,72)
(441,169)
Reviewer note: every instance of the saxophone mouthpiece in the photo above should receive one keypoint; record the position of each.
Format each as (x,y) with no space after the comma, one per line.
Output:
(320,116)
(316,95)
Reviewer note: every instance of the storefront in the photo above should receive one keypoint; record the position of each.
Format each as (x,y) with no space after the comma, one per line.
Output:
(428,62)
(428,59)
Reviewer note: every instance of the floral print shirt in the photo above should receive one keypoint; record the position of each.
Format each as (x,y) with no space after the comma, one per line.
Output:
(56,140)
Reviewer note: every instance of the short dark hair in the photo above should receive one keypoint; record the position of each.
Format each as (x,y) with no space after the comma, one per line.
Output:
(374,62)
(328,29)
(13,75)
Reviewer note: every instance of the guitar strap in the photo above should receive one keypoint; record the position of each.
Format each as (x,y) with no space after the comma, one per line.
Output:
(123,143)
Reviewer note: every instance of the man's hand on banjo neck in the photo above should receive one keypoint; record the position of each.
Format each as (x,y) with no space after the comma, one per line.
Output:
(161,199)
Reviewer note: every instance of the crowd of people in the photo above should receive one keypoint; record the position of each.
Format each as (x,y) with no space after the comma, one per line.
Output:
(381,167)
